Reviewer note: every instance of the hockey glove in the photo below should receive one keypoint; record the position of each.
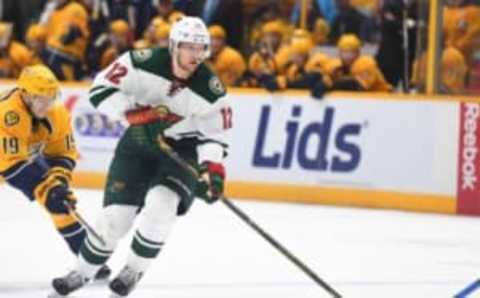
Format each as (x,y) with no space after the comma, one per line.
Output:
(210,187)
(58,198)
(54,194)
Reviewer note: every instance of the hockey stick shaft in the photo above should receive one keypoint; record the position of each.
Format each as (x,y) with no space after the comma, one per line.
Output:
(230,205)
(469,289)
(85,224)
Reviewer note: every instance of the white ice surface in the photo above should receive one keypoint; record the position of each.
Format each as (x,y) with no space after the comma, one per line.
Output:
(213,254)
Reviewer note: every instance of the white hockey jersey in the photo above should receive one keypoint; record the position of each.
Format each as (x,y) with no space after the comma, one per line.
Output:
(143,78)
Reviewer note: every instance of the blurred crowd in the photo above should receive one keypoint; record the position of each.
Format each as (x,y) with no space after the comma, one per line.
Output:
(361,45)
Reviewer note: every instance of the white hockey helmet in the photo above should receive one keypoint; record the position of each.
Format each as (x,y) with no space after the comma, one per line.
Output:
(189,29)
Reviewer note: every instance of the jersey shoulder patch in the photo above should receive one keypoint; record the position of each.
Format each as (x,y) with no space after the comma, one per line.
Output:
(155,61)
(207,84)
(142,55)
(14,117)
(11,118)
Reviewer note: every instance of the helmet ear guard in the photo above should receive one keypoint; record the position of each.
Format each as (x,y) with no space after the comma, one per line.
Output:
(192,30)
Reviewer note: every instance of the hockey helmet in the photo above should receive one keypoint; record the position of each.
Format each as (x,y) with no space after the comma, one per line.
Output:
(38,80)
(217,31)
(192,30)
(36,32)
(349,42)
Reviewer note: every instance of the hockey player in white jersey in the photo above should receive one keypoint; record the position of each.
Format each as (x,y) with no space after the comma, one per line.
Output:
(167,93)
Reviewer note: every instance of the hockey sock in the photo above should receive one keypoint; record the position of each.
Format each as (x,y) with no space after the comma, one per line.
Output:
(143,251)
(94,254)
(74,235)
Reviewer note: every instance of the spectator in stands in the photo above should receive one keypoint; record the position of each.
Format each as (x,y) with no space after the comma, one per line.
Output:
(119,42)
(149,35)
(453,73)
(14,56)
(160,38)
(226,13)
(391,51)
(227,62)
(265,58)
(354,72)
(20,13)
(67,39)
(36,39)
(339,69)
(320,32)
(461,29)
(367,73)
(347,20)
(296,75)
(261,62)
(318,63)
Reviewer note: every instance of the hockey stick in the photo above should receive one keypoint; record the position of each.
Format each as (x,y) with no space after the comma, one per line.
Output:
(469,289)
(84,223)
(180,161)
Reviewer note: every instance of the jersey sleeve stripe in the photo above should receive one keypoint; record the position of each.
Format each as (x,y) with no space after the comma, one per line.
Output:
(98,97)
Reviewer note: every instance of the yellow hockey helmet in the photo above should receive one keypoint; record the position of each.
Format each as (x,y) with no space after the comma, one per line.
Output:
(36,32)
(157,22)
(175,16)
(321,29)
(162,32)
(349,42)
(119,27)
(301,34)
(217,31)
(301,46)
(273,27)
(38,80)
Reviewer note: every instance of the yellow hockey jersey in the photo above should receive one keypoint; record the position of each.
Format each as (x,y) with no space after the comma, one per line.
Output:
(229,65)
(366,71)
(61,21)
(22,137)
(14,58)
(461,28)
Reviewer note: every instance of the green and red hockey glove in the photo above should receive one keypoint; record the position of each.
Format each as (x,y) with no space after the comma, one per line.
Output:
(210,188)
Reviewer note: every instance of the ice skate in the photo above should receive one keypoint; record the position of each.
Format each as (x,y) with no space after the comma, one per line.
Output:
(103,273)
(69,283)
(125,282)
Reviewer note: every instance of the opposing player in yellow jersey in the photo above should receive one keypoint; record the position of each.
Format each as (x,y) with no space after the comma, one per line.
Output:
(37,149)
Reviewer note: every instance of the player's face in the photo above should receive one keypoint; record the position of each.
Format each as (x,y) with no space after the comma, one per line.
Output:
(217,45)
(349,56)
(190,55)
(40,105)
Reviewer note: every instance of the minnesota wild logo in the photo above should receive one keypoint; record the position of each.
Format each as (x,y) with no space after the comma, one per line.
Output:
(142,55)
(216,86)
